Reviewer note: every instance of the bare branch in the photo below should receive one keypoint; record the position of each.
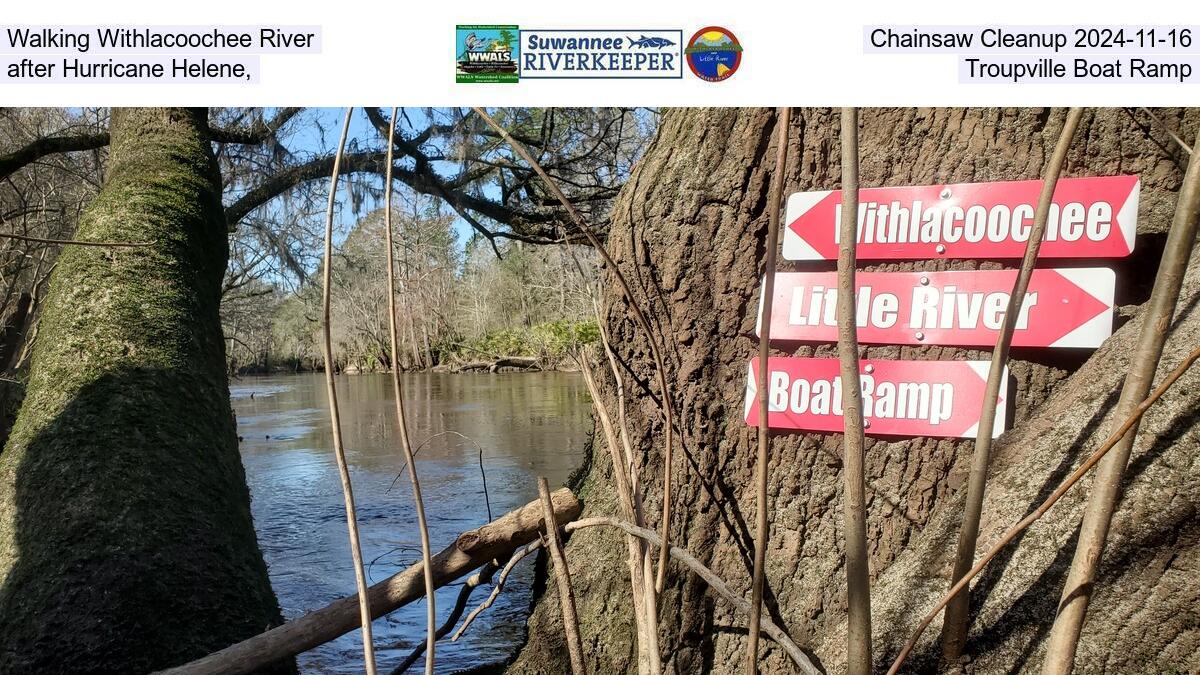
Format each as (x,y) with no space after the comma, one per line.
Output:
(954,629)
(1129,423)
(762,518)
(75,242)
(483,576)
(562,575)
(858,576)
(35,150)
(641,320)
(360,577)
(1105,492)
(647,621)
(256,133)
(650,601)
(1170,132)
(498,587)
(401,421)
(526,225)
(714,582)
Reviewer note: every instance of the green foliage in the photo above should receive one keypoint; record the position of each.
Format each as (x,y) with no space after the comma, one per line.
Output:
(505,342)
(552,341)
(558,338)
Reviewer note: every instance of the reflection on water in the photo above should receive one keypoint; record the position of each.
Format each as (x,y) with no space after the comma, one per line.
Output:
(527,425)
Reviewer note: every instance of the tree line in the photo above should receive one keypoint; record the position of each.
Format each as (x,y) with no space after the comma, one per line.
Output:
(457,302)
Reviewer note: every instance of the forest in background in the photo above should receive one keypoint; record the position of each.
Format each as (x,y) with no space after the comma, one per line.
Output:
(457,304)
(477,281)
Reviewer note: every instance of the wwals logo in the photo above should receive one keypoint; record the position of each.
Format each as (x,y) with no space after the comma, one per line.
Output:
(486,54)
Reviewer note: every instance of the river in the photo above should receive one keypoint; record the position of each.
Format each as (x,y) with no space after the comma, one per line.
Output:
(526,424)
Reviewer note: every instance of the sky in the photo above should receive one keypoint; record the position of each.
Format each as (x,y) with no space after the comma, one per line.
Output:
(309,138)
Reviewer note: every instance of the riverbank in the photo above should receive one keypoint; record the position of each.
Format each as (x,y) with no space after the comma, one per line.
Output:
(546,346)
(500,364)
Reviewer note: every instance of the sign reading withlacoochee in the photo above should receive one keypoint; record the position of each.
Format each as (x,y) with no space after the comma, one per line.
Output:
(1089,218)
(1062,307)
(899,398)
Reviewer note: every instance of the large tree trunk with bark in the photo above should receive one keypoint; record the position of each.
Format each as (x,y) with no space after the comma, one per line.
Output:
(126,542)
(688,231)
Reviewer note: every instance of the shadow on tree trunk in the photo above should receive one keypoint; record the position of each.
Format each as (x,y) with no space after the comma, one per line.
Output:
(131,546)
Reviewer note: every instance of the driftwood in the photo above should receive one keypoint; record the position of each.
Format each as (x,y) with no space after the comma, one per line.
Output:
(470,551)
(494,365)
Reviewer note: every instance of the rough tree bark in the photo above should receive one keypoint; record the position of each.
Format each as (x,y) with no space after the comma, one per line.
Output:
(126,543)
(687,230)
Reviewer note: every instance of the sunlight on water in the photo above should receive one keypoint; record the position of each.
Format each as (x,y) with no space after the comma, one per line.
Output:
(527,425)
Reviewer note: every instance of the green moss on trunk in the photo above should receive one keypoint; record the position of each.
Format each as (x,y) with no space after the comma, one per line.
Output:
(126,542)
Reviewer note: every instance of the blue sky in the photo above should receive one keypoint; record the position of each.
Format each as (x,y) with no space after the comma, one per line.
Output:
(309,138)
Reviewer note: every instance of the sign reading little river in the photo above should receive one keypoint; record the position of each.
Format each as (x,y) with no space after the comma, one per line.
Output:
(1062,307)
(899,398)
(1089,218)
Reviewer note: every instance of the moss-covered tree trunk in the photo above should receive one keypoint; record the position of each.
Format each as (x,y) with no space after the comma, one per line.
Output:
(126,542)
(688,231)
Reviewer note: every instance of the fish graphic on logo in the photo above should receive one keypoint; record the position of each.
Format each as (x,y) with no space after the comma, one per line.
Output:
(644,42)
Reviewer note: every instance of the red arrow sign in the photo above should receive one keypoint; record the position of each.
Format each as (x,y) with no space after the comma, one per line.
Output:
(1062,308)
(1089,218)
(900,398)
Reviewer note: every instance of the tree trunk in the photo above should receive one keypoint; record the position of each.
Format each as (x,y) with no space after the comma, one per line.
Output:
(126,542)
(686,230)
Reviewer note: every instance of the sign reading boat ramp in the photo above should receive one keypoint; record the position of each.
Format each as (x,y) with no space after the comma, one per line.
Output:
(1062,307)
(1089,218)
(900,398)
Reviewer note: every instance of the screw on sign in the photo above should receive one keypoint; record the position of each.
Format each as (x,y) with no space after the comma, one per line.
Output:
(1061,308)
(900,398)
(1089,218)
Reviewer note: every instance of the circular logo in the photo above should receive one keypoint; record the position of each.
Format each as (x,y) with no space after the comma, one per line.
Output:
(714,54)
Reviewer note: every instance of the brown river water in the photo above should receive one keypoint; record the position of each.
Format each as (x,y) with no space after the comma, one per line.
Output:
(527,424)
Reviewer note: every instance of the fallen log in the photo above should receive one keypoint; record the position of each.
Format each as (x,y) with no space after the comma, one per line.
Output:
(470,551)
(494,365)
